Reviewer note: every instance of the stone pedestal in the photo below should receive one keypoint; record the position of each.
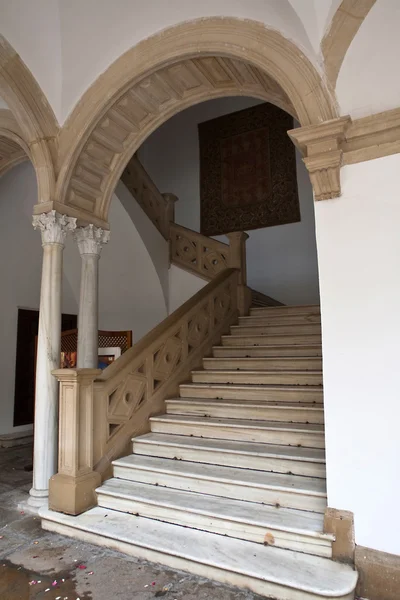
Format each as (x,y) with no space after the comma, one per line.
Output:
(53,228)
(72,489)
(90,241)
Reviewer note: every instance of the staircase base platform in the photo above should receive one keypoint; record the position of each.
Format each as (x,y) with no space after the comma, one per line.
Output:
(270,572)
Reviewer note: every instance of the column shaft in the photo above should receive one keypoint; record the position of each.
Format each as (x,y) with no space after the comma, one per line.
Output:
(53,229)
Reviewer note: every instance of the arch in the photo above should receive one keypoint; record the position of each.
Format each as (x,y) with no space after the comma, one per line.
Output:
(36,121)
(346,21)
(166,73)
(13,149)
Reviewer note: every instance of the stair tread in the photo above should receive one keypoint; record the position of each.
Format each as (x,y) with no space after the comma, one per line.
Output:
(286,307)
(246,403)
(240,423)
(260,386)
(311,486)
(277,346)
(266,359)
(265,336)
(259,372)
(235,447)
(297,571)
(291,520)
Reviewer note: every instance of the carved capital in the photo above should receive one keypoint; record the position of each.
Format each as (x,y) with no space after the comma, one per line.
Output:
(322,149)
(90,239)
(53,227)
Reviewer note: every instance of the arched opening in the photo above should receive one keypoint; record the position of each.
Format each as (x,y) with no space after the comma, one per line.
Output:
(165,74)
(281,260)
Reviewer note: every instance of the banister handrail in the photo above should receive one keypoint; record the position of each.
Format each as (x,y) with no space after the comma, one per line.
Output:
(159,330)
(100,412)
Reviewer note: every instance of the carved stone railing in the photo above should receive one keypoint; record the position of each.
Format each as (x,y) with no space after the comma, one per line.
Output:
(101,411)
(158,207)
(198,253)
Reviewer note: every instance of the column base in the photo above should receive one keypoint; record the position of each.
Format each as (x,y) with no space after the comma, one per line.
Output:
(37,498)
(73,495)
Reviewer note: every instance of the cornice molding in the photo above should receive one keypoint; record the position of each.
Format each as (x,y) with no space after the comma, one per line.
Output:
(328,146)
(321,147)
(372,137)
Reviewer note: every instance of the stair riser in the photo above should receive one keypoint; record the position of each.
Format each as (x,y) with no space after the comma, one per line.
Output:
(280,320)
(313,328)
(263,340)
(229,459)
(261,378)
(278,395)
(263,588)
(263,364)
(267,351)
(243,434)
(284,498)
(285,310)
(263,413)
(214,524)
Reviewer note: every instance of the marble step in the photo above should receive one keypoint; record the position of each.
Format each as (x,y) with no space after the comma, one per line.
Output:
(293,351)
(265,432)
(276,329)
(280,527)
(231,453)
(285,310)
(271,339)
(246,409)
(267,571)
(258,377)
(264,364)
(280,319)
(273,393)
(288,491)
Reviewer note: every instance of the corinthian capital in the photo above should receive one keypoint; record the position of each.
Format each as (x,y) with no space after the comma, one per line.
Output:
(53,227)
(90,239)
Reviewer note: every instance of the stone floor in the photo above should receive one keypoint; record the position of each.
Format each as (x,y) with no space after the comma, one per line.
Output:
(36,565)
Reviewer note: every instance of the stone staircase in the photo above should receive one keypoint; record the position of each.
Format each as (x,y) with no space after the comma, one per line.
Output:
(230,483)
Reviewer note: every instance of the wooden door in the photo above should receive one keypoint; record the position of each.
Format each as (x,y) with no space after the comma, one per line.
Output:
(27,330)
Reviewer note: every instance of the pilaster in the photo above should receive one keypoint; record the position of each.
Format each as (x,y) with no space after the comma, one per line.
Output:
(322,149)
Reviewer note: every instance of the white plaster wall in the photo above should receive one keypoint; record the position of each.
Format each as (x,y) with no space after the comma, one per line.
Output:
(281,261)
(182,286)
(368,81)
(131,295)
(156,245)
(20,269)
(359,256)
(96,32)
(33,30)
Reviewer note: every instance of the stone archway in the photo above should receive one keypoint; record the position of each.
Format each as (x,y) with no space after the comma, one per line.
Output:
(13,149)
(35,123)
(161,76)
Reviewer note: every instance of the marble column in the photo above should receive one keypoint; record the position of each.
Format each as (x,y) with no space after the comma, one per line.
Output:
(90,241)
(53,228)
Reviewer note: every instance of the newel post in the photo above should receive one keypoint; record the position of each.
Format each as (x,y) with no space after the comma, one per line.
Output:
(237,260)
(169,213)
(71,490)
